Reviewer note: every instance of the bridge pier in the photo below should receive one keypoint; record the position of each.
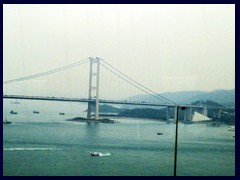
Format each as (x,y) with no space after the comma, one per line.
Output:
(188,114)
(185,118)
(175,113)
(89,110)
(168,113)
(219,114)
(204,111)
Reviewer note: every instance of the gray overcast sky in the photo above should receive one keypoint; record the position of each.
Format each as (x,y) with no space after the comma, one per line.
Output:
(164,47)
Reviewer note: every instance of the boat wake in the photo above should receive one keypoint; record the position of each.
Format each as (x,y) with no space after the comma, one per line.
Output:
(105,154)
(30,149)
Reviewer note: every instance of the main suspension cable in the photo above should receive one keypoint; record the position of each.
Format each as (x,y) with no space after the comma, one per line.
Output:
(146,89)
(47,72)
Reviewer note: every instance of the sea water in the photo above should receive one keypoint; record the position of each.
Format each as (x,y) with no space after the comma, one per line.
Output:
(46,144)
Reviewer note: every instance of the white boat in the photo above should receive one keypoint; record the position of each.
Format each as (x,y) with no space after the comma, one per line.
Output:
(6,121)
(95,154)
(99,154)
(13,112)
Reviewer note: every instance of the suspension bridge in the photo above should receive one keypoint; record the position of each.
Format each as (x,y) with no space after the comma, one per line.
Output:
(75,84)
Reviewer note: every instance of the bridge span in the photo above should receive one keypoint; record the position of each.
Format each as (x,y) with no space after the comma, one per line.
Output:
(93,90)
(44,98)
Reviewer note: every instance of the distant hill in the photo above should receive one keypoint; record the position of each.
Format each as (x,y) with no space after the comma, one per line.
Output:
(145,113)
(221,96)
(104,108)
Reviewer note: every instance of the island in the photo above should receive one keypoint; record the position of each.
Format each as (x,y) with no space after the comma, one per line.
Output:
(81,119)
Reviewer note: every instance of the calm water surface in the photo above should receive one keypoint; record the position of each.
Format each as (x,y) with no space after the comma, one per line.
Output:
(46,144)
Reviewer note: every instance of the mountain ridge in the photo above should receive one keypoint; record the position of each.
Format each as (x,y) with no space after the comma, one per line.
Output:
(221,96)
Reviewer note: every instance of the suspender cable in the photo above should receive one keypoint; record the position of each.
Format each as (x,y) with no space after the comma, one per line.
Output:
(133,83)
(168,100)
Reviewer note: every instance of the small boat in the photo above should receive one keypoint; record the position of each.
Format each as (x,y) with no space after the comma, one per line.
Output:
(62,113)
(96,154)
(36,112)
(13,112)
(99,154)
(6,121)
(159,133)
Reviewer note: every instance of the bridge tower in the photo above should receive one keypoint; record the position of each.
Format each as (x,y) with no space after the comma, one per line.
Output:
(93,92)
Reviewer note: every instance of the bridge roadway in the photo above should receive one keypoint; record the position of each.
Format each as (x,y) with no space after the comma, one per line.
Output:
(44,98)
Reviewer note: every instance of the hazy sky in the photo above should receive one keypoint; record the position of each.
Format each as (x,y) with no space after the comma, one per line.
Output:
(164,47)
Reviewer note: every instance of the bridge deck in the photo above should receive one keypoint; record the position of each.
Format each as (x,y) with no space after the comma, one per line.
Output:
(84,100)
(43,98)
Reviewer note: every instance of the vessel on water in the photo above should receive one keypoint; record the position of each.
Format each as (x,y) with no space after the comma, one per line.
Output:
(6,121)
(99,154)
(62,113)
(13,112)
(95,154)
(36,112)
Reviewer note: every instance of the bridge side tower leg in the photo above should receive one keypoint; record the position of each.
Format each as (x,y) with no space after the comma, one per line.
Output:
(90,90)
(94,86)
(97,89)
